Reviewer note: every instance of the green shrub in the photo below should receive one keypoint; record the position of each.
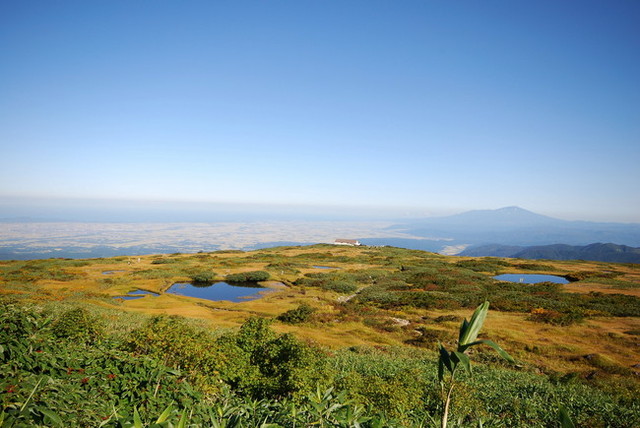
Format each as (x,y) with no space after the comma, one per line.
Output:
(298,315)
(483,265)
(534,266)
(206,277)
(163,261)
(278,365)
(253,276)
(77,324)
(581,276)
(285,267)
(340,287)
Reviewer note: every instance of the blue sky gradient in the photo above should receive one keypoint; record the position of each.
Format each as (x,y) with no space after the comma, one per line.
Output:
(417,107)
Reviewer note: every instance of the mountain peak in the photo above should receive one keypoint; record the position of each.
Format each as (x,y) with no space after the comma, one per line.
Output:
(513,209)
(512,214)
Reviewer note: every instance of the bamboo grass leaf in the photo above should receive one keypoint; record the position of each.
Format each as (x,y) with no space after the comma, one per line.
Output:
(183,419)
(137,421)
(463,330)
(494,345)
(165,414)
(445,358)
(463,359)
(469,331)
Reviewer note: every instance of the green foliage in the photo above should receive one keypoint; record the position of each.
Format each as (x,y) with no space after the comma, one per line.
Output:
(77,324)
(279,365)
(486,264)
(109,282)
(178,343)
(534,266)
(204,277)
(171,369)
(583,275)
(163,261)
(434,284)
(298,315)
(285,267)
(340,282)
(57,380)
(253,276)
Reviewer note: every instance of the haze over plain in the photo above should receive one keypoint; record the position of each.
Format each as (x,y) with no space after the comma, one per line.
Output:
(367,107)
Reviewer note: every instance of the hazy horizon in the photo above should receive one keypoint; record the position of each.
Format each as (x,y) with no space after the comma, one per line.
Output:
(118,210)
(360,109)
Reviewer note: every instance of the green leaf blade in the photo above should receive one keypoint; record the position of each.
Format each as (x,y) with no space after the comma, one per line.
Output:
(464,360)
(165,414)
(474,325)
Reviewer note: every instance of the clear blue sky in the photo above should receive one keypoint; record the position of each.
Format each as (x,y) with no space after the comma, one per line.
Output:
(414,106)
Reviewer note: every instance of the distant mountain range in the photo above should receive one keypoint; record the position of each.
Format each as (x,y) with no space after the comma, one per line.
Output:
(593,252)
(516,232)
(515,226)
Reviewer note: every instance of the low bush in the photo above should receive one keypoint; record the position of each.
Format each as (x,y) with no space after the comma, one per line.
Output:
(77,324)
(298,315)
(206,277)
(285,267)
(253,276)
(483,265)
(534,266)
(582,275)
(163,261)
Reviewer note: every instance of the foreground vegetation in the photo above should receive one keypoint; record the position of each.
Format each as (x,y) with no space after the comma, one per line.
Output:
(355,345)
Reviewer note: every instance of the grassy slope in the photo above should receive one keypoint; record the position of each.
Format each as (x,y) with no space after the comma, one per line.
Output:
(540,347)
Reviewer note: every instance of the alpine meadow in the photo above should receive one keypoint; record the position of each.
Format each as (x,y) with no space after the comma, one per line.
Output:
(338,336)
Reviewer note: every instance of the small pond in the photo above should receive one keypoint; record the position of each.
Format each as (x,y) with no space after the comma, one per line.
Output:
(527,278)
(219,291)
(111,272)
(324,267)
(137,294)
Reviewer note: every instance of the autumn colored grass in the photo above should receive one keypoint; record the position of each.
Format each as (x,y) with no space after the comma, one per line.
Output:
(542,346)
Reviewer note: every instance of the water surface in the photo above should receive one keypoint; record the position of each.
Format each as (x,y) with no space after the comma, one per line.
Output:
(527,278)
(136,294)
(219,291)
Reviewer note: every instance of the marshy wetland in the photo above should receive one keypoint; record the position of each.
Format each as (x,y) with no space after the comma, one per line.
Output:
(368,327)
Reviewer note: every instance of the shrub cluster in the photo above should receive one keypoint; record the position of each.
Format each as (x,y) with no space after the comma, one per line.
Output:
(297,315)
(253,276)
(340,282)
(206,277)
